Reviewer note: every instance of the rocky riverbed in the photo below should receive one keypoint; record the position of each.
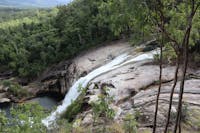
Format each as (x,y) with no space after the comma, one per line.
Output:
(133,86)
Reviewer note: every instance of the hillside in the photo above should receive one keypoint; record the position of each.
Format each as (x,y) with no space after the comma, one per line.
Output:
(32,3)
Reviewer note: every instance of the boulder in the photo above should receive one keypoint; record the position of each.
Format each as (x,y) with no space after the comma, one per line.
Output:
(5,100)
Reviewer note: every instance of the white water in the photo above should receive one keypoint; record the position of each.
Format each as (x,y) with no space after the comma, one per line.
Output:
(83,82)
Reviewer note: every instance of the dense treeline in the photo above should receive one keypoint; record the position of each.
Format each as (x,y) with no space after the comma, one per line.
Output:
(27,41)
(34,39)
(14,13)
(31,40)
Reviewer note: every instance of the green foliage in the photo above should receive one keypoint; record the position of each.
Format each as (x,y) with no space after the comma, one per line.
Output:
(197,58)
(31,40)
(169,55)
(130,124)
(74,109)
(76,106)
(185,112)
(15,89)
(28,43)
(6,83)
(64,126)
(3,120)
(102,108)
(102,111)
(25,118)
(38,38)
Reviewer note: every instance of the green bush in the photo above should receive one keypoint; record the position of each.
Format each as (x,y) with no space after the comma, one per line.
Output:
(15,89)
(3,120)
(74,109)
(130,124)
(6,83)
(25,118)
(197,58)
(101,109)
(169,55)
(76,106)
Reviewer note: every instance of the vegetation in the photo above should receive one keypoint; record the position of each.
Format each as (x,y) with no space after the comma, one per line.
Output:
(15,89)
(33,39)
(130,124)
(76,106)
(25,118)
(101,109)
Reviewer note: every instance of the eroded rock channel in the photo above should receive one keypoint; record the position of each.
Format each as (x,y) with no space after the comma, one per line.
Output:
(133,86)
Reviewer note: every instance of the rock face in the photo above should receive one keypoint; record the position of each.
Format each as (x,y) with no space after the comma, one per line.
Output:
(133,86)
(3,98)
(61,77)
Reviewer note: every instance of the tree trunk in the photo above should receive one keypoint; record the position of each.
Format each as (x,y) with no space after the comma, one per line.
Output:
(185,45)
(159,88)
(172,92)
(185,55)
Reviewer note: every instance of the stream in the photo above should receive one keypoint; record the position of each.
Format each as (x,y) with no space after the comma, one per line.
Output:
(46,102)
(74,92)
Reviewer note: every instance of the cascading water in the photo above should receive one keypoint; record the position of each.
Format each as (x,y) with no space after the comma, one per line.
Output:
(83,82)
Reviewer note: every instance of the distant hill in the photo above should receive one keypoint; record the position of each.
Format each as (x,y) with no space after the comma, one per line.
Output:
(32,3)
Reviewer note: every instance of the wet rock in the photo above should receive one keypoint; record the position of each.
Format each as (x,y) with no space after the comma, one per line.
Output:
(1,88)
(4,100)
(87,120)
(145,100)
(133,86)
(6,75)
(60,78)
(139,92)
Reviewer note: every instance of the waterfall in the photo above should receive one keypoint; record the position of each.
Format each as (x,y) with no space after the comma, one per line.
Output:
(83,82)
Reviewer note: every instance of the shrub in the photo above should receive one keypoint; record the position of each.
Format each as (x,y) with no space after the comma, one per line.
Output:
(6,83)
(3,120)
(197,58)
(25,118)
(116,128)
(18,91)
(76,106)
(130,123)
(15,89)
(169,55)
(101,108)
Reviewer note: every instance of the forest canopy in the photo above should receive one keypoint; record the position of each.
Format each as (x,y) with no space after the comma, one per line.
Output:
(33,39)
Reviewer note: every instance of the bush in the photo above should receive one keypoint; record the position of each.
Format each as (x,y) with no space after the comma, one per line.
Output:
(116,128)
(197,58)
(6,83)
(130,123)
(76,106)
(25,118)
(15,89)
(101,109)
(169,55)
(3,120)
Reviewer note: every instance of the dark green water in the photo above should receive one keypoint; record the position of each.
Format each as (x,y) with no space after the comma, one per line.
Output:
(45,101)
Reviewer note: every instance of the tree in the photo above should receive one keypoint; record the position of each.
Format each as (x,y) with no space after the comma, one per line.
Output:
(185,45)
(24,118)
(101,108)
(170,18)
